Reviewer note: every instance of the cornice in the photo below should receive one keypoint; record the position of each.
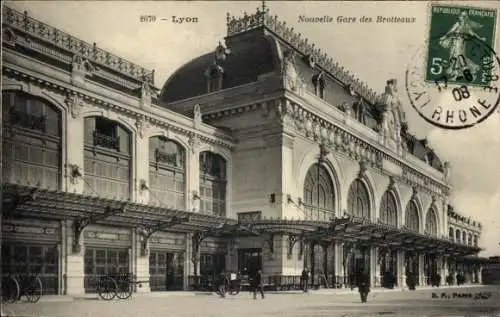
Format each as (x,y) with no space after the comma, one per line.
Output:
(134,112)
(291,114)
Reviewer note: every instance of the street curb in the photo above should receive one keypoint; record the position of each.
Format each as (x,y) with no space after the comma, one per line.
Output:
(343,291)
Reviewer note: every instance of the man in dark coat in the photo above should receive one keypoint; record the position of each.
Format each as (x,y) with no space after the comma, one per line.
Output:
(305,279)
(257,284)
(364,285)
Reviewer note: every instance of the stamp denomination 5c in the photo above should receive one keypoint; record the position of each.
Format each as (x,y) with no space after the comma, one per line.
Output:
(452,81)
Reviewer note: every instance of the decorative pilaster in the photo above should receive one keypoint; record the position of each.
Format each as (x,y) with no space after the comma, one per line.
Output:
(421,271)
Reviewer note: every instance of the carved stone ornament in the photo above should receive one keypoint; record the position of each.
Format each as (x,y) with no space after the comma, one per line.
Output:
(142,126)
(310,60)
(362,168)
(81,64)
(75,104)
(290,76)
(194,143)
(9,37)
(197,116)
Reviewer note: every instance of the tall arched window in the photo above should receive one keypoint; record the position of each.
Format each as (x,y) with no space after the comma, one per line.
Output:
(431,223)
(212,184)
(450,234)
(167,172)
(318,194)
(358,202)
(412,219)
(108,159)
(457,236)
(476,240)
(464,237)
(469,240)
(388,209)
(32,138)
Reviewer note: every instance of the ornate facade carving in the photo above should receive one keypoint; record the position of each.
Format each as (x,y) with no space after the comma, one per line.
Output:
(291,78)
(142,126)
(194,143)
(392,116)
(197,116)
(321,59)
(60,39)
(75,104)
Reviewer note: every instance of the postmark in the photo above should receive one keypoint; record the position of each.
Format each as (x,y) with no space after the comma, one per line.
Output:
(453,81)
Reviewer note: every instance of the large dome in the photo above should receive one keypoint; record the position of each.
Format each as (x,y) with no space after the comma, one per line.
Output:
(249,57)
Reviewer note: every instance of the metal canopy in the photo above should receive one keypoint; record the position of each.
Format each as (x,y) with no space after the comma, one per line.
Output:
(362,231)
(49,204)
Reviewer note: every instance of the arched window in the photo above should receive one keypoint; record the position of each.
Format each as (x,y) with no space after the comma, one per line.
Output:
(388,209)
(212,184)
(469,240)
(318,194)
(431,223)
(457,236)
(476,240)
(166,173)
(412,219)
(358,202)
(464,237)
(32,140)
(450,234)
(108,159)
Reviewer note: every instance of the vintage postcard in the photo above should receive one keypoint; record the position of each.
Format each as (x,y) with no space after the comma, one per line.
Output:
(280,158)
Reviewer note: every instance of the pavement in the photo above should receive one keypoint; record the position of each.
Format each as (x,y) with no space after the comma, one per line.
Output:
(474,301)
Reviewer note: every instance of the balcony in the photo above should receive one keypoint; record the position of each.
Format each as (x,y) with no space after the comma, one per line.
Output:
(106,141)
(167,158)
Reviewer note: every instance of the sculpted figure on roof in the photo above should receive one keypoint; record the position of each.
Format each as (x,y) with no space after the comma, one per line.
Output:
(290,76)
(392,116)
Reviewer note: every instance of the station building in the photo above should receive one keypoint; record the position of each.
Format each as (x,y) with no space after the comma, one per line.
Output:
(263,153)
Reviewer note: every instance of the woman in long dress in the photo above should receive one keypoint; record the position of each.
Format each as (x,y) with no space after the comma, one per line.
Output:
(455,41)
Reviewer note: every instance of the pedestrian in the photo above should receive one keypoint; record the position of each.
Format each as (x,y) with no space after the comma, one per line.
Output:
(305,279)
(364,286)
(257,284)
(223,284)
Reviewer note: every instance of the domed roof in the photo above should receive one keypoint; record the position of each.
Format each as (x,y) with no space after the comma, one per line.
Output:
(246,59)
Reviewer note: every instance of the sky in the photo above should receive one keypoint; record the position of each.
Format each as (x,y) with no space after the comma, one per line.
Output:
(374,52)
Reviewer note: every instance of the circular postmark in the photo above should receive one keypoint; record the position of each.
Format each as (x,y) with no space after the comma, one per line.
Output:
(452,82)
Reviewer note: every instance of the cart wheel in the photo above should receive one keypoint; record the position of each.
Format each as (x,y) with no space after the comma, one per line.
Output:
(124,290)
(107,288)
(10,289)
(34,290)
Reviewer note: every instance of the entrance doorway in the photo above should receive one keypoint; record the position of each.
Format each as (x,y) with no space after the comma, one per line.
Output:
(249,260)
(166,271)
(389,268)
(431,269)
(358,262)
(23,259)
(412,268)
(103,261)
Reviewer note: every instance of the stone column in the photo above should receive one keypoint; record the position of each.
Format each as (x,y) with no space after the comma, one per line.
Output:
(401,269)
(479,272)
(444,269)
(142,263)
(378,276)
(339,268)
(373,265)
(421,271)
(75,264)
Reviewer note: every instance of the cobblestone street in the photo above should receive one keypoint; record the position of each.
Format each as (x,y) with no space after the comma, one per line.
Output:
(314,304)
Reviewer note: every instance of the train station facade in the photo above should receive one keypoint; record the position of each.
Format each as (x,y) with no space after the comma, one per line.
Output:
(264,153)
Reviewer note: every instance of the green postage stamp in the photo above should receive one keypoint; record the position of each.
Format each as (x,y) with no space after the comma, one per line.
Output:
(456,35)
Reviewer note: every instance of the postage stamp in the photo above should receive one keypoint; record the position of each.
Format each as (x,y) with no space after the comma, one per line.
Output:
(452,81)
(452,57)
